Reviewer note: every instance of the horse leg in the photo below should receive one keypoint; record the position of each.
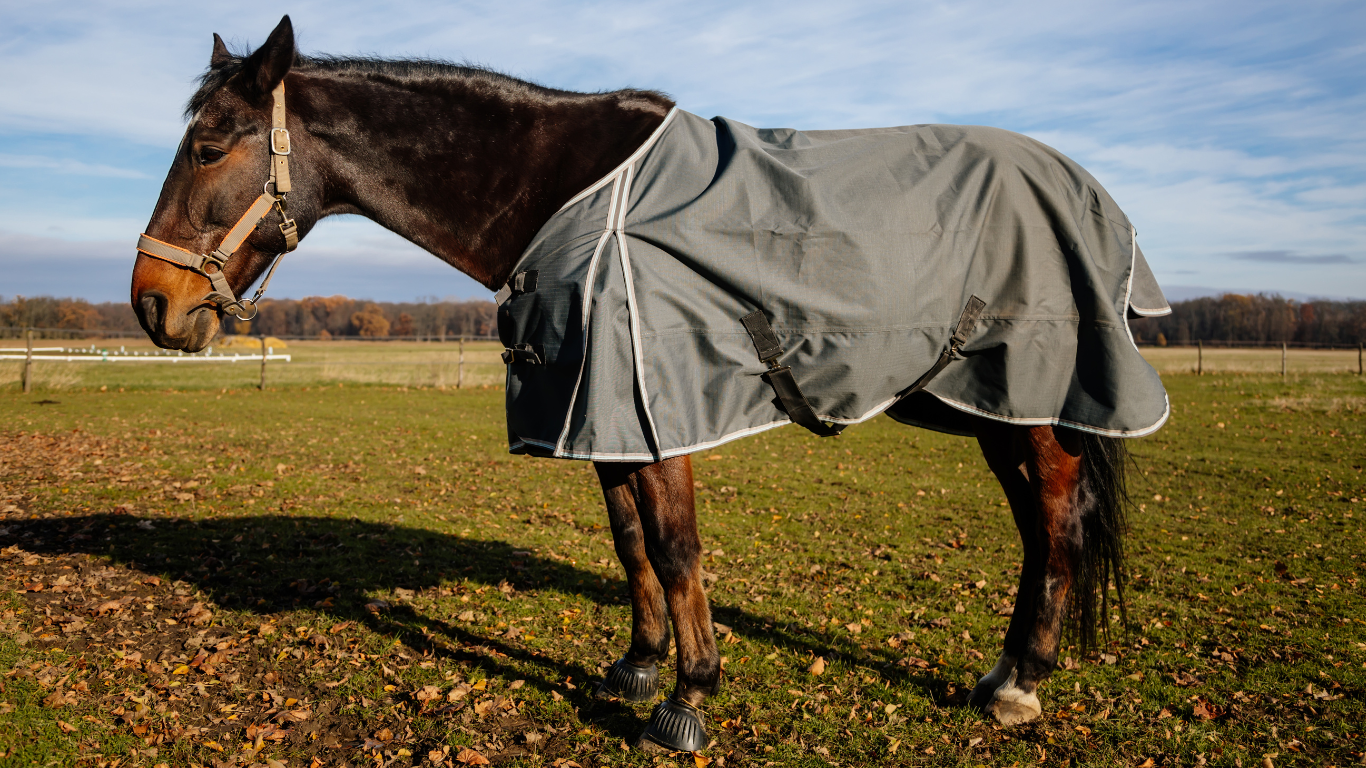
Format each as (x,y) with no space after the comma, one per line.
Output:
(634,677)
(1040,471)
(662,496)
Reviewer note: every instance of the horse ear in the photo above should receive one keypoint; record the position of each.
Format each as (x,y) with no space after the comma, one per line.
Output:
(221,54)
(267,65)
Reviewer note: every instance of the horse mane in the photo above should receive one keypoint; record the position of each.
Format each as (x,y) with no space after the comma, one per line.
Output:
(403,71)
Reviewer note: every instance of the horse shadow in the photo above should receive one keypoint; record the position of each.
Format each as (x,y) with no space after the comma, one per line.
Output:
(268,564)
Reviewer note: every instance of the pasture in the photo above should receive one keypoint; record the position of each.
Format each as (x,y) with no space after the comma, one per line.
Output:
(356,572)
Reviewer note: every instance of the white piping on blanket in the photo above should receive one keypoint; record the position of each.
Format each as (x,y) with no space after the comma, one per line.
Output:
(589,281)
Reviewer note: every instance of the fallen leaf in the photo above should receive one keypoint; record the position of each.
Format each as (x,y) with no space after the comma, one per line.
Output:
(817,667)
(470,757)
(700,760)
(428,693)
(60,698)
(854,627)
(66,728)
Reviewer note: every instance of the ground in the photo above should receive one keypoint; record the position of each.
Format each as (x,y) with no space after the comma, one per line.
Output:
(318,574)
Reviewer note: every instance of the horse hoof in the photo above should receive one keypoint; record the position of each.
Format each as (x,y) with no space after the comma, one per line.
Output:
(1012,706)
(675,726)
(628,682)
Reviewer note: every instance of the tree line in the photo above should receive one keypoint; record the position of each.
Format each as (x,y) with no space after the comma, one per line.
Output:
(1231,318)
(1259,318)
(316,317)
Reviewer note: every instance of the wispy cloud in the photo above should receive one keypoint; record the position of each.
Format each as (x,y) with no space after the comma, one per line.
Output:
(69,167)
(1286,257)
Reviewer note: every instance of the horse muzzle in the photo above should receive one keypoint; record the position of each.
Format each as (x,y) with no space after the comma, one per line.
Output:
(189,331)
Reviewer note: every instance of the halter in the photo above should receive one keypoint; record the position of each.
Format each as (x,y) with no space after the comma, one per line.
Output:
(210,266)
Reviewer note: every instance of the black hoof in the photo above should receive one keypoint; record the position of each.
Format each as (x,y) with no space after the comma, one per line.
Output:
(676,727)
(628,682)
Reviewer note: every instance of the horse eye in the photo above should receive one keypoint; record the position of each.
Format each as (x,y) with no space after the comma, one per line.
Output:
(209,155)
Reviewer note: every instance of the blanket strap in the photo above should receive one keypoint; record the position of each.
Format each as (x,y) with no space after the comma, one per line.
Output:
(780,376)
(966,323)
(522,282)
(524,353)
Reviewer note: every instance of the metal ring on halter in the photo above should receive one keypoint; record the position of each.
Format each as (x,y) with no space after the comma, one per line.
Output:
(244,305)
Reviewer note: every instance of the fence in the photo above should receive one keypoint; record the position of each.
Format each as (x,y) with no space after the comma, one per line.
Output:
(459,362)
(18,331)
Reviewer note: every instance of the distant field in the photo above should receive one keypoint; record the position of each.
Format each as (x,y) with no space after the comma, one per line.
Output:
(435,364)
(361,575)
(403,363)
(1259,360)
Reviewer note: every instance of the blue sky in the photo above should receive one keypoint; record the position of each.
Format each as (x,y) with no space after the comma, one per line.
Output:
(1232,133)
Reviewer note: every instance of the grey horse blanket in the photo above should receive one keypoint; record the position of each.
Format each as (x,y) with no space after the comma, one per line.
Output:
(861,247)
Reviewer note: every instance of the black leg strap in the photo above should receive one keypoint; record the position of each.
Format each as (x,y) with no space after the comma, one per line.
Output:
(966,322)
(780,376)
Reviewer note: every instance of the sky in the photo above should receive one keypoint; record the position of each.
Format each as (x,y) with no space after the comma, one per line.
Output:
(1233,134)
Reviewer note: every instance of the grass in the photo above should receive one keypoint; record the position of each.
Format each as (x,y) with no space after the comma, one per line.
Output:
(378,575)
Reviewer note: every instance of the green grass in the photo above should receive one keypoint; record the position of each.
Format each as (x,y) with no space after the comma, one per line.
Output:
(886,551)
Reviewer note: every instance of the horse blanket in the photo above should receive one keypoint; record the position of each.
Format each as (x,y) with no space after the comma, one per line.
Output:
(861,247)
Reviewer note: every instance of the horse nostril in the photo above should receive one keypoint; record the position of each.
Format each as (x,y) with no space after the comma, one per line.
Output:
(151,305)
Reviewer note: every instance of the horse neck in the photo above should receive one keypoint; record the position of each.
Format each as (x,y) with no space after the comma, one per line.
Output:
(468,168)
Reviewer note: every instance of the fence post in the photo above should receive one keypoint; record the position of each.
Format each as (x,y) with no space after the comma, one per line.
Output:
(1360,345)
(460,368)
(28,363)
(262,385)
(1282,359)
(1199,357)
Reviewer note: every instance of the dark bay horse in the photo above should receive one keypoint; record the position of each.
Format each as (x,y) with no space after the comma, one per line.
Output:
(469,164)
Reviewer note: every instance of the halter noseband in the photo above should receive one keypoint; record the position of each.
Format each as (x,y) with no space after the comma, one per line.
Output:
(211,266)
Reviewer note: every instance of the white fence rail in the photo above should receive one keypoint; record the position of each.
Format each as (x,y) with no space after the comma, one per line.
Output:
(96,355)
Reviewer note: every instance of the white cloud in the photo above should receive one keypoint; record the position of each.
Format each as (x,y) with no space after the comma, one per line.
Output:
(68,166)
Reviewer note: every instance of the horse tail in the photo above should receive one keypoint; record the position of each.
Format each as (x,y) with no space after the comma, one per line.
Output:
(1104,503)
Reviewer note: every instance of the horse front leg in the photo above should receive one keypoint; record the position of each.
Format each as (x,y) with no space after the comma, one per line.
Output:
(1039,469)
(634,677)
(662,497)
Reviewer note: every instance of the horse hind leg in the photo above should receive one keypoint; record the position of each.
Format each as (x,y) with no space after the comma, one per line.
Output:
(1065,490)
(999,692)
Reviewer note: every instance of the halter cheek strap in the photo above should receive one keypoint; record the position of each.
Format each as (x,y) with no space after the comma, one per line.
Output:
(211,266)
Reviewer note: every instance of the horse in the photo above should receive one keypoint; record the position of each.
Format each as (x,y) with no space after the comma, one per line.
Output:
(470,164)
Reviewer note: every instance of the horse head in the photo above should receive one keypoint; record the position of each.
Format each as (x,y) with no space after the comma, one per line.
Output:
(202,248)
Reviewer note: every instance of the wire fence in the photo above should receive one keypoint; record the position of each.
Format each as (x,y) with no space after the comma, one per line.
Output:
(476,361)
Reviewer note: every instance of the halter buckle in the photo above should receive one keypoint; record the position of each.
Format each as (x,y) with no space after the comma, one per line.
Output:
(279,141)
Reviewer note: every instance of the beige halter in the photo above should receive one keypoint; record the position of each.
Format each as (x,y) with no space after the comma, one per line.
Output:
(211,266)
